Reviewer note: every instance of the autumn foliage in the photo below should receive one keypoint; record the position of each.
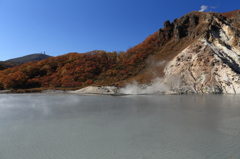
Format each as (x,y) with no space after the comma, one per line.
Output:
(76,70)
(230,14)
(80,69)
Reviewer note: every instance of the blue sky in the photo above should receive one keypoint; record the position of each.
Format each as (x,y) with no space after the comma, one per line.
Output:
(62,26)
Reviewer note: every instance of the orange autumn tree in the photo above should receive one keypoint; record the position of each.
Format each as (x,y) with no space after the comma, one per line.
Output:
(80,69)
(70,70)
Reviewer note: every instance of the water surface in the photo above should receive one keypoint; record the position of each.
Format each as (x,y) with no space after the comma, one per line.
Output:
(71,126)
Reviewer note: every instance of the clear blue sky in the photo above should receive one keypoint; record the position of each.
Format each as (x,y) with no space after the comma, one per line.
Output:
(62,26)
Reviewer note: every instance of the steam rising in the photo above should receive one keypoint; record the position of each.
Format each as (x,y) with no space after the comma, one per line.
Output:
(157,86)
(14,106)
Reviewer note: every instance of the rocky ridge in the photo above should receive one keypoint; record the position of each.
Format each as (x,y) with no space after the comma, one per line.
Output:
(211,63)
(197,53)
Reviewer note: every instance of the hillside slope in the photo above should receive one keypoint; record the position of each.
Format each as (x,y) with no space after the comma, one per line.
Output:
(29,58)
(2,67)
(21,60)
(197,53)
(211,63)
(8,64)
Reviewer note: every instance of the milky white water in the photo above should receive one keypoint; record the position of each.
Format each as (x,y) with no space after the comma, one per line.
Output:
(71,126)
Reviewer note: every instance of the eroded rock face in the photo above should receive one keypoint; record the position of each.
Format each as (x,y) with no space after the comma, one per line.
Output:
(211,64)
(194,24)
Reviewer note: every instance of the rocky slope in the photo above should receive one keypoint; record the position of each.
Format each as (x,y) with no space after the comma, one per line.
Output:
(211,63)
(199,53)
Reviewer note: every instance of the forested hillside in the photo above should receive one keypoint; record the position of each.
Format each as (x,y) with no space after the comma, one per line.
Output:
(77,70)
(82,69)
(29,58)
(21,60)
(142,62)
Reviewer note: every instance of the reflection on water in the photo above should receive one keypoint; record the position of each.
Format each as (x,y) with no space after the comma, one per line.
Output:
(70,126)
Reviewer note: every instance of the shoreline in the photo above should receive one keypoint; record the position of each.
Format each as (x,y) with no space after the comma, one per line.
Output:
(32,91)
(104,90)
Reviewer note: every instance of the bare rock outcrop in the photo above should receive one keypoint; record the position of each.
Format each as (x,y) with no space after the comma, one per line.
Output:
(97,90)
(206,59)
(211,63)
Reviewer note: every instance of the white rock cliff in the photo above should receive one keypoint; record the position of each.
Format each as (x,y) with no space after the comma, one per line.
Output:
(211,64)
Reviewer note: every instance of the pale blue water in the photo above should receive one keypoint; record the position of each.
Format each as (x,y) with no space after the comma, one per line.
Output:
(70,126)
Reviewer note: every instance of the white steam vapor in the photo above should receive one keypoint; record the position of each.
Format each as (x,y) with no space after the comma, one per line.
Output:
(157,86)
(203,8)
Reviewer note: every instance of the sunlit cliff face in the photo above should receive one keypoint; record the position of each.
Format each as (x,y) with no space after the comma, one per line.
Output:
(211,64)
